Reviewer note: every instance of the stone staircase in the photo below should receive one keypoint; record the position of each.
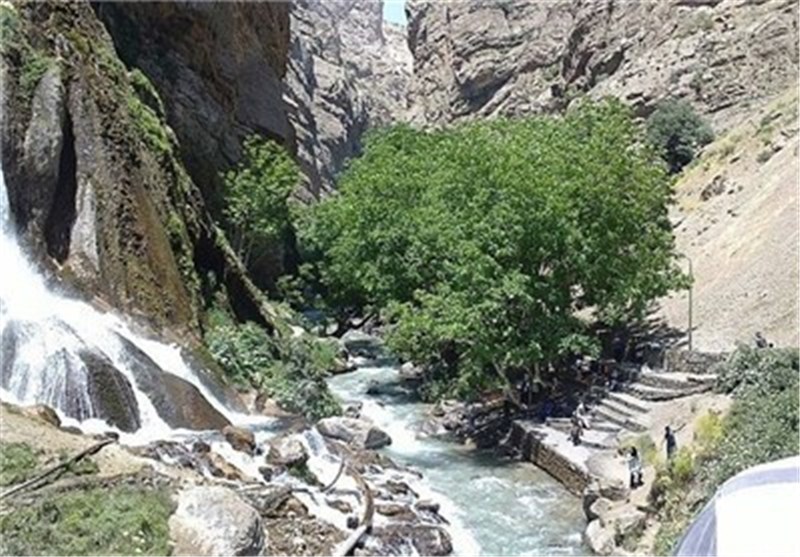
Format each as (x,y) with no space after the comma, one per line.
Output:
(614,416)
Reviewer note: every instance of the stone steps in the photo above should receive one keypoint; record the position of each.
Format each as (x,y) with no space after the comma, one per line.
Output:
(675,381)
(625,421)
(620,409)
(565,424)
(629,401)
(657,394)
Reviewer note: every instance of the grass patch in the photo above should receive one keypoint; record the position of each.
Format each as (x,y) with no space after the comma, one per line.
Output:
(303,473)
(99,521)
(17,462)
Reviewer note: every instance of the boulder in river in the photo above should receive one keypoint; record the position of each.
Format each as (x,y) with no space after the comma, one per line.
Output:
(213,520)
(426,539)
(287,451)
(240,439)
(353,431)
(599,538)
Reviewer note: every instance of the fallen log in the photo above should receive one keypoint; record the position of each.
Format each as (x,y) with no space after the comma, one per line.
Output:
(56,467)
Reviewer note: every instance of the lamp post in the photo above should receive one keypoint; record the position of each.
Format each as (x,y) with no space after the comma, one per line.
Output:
(691,286)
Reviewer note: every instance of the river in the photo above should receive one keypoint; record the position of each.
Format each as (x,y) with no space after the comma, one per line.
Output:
(497,506)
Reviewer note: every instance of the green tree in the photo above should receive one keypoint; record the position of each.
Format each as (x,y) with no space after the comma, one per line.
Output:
(677,131)
(257,194)
(481,243)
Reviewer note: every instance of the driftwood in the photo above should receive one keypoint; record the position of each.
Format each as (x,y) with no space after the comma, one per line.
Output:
(57,467)
(347,546)
(336,478)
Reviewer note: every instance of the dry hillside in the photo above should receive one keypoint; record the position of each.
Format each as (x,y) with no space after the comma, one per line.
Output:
(736,217)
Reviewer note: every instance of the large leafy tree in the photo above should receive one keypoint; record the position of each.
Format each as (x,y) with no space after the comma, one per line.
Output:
(481,243)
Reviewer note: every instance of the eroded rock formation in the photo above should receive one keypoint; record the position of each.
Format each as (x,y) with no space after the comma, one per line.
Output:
(348,71)
(516,57)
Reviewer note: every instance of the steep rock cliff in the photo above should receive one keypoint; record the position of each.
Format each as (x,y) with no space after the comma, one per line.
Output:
(348,71)
(218,67)
(96,185)
(514,57)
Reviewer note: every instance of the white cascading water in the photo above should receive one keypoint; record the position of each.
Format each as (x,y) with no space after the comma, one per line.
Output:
(51,330)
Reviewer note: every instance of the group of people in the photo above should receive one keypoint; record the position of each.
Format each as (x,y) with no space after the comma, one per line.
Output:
(635,462)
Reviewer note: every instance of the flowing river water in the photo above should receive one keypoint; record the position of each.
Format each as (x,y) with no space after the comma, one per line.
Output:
(496,506)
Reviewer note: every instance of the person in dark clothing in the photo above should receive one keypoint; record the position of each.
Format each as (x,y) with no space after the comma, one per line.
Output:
(761,342)
(672,444)
(635,468)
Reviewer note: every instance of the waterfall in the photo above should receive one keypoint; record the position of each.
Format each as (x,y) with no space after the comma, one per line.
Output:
(87,365)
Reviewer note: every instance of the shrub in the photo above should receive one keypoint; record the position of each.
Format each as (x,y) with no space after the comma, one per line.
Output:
(682,466)
(677,132)
(257,196)
(291,370)
(763,370)
(17,462)
(708,432)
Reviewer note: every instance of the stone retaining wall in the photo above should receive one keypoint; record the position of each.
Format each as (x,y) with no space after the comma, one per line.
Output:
(545,457)
(691,361)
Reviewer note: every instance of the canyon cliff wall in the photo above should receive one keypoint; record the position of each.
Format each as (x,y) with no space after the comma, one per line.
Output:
(348,72)
(95,176)
(517,57)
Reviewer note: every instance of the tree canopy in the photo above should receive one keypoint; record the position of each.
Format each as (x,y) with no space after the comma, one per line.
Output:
(481,243)
(677,131)
(257,193)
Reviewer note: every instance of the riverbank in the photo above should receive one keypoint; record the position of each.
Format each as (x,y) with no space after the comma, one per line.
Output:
(288,493)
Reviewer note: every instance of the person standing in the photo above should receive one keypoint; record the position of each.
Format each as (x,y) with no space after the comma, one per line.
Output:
(672,444)
(635,468)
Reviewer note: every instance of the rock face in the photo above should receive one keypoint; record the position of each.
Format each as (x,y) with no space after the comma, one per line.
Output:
(95,178)
(215,521)
(218,67)
(348,71)
(515,57)
(357,432)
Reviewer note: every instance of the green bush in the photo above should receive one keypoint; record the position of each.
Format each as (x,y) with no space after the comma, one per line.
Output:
(99,521)
(762,426)
(762,370)
(291,370)
(478,243)
(677,132)
(708,432)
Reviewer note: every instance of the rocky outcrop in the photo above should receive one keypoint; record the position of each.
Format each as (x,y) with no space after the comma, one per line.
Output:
(215,521)
(348,71)
(218,68)
(516,57)
(95,180)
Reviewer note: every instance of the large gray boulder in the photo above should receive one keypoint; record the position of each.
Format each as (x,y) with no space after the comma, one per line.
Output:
(213,520)
(353,431)
(599,538)
(287,451)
